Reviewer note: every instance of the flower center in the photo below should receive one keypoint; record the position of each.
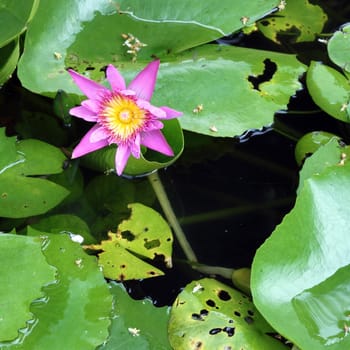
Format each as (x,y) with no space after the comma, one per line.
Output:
(122,117)
(125,116)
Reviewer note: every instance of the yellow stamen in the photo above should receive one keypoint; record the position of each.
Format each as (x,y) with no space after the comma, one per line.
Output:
(122,117)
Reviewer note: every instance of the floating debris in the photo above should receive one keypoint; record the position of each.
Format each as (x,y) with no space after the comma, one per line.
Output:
(57,55)
(134,45)
(134,332)
(198,109)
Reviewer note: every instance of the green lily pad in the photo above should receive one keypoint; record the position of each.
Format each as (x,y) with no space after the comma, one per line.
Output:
(338,47)
(313,304)
(72,179)
(65,223)
(14,17)
(310,143)
(297,274)
(210,315)
(229,82)
(76,313)
(105,201)
(9,55)
(24,271)
(145,235)
(164,27)
(298,19)
(21,194)
(329,89)
(330,154)
(130,330)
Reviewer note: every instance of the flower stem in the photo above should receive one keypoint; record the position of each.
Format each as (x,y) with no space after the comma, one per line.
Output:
(170,215)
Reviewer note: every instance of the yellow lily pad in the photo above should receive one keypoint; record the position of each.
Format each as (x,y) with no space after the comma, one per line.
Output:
(145,235)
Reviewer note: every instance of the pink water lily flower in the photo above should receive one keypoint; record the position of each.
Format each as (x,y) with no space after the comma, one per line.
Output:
(123,115)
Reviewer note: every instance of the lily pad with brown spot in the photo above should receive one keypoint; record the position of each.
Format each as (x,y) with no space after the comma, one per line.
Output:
(210,315)
(145,235)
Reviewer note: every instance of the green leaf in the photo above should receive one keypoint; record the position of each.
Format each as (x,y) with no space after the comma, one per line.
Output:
(152,234)
(304,256)
(129,330)
(21,194)
(299,19)
(225,80)
(229,83)
(329,89)
(76,313)
(39,157)
(9,55)
(310,143)
(107,198)
(330,154)
(104,159)
(312,307)
(14,16)
(8,151)
(71,179)
(210,315)
(65,223)
(338,47)
(166,27)
(145,235)
(26,196)
(24,271)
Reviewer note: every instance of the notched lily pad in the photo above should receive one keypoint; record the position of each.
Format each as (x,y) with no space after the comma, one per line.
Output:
(297,274)
(338,47)
(75,314)
(144,236)
(333,153)
(324,307)
(22,194)
(24,271)
(136,324)
(298,19)
(210,315)
(329,89)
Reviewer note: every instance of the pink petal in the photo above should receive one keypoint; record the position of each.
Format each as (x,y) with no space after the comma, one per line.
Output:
(171,113)
(86,146)
(155,140)
(93,105)
(135,147)
(143,84)
(84,113)
(121,158)
(153,125)
(98,134)
(128,92)
(90,88)
(157,112)
(115,79)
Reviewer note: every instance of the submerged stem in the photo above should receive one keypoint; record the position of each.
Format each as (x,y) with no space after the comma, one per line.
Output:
(170,215)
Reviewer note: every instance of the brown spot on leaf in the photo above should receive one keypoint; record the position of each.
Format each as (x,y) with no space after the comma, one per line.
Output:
(214,331)
(248,319)
(229,330)
(223,295)
(197,317)
(155,243)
